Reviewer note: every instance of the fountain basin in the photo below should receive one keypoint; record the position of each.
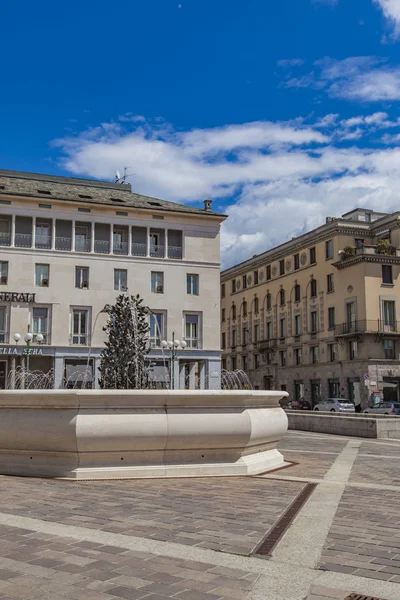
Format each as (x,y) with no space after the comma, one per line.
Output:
(94,434)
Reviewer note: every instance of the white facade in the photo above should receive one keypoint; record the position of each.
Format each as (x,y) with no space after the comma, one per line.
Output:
(68,247)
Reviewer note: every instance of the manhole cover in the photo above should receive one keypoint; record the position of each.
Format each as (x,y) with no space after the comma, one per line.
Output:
(361,597)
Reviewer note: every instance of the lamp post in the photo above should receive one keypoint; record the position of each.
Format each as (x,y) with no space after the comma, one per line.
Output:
(28,337)
(173,346)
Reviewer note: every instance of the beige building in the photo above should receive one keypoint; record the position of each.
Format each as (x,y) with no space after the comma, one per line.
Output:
(69,246)
(317,316)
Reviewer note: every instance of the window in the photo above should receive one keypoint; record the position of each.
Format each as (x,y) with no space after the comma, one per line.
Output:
(314,354)
(297,293)
(332,351)
(389,318)
(223,341)
(233,311)
(268,330)
(40,323)
(244,363)
(244,282)
(282,328)
(42,275)
(313,288)
(156,331)
(82,238)
(314,321)
(233,338)
(222,290)
(245,336)
(388,346)
(157,282)
(223,315)
(268,270)
(328,249)
(329,283)
(313,259)
(3,325)
(255,277)
(296,259)
(331,317)
(3,273)
(223,364)
(269,301)
(353,350)
(256,305)
(282,358)
(233,284)
(256,361)
(268,358)
(282,298)
(358,243)
(43,235)
(82,277)
(256,333)
(297,325)
(244,308)
(281,267)
(192,333)
(192,284)
(80,327)
(387,274)
(334,388)
(120,280)
(297,356)
(233,362)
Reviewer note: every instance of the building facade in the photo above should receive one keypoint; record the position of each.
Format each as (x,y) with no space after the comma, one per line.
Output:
(317,316)
(69,246)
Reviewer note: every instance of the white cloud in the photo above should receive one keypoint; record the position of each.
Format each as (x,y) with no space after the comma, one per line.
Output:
(284,177)
(391,10)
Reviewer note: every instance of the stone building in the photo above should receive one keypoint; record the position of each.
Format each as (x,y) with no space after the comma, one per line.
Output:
(69,246)
(317,316)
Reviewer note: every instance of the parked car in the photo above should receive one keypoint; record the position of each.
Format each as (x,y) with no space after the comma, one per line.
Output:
(335,405)
(385,408)
(299,405)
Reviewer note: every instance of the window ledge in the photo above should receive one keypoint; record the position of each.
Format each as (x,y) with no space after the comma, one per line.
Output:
(388,285)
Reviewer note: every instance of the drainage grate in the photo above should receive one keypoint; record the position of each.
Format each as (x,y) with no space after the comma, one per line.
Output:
(361,597)
(266,545)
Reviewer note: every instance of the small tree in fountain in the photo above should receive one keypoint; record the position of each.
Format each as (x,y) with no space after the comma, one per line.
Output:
(123,364)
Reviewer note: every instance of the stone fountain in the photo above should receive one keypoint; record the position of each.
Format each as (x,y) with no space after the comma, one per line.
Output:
(132,433)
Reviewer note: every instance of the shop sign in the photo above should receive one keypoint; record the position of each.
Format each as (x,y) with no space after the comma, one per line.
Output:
(17,297)
(10,350)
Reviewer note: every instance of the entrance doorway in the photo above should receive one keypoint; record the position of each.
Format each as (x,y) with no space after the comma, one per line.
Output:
(3,374)
(315,392)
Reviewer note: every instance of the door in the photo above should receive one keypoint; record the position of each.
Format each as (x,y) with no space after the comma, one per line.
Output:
(351,316)
(3,374)
(315,393)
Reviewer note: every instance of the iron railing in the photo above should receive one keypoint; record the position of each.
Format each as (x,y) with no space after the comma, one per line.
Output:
(367,326)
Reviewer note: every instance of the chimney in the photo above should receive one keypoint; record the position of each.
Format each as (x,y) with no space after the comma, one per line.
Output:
(207,205)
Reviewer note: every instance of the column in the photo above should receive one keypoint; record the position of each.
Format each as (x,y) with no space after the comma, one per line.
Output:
(34,232)
(53,234)
(182,367)
(148,241)
(12,378)
(166,243)
(73,236)
(129,240)
(192,372)
(12,231)
(202,374)
(58,372)
(111,238)
(175,366)
(23,371)
(214,373)
(92,234)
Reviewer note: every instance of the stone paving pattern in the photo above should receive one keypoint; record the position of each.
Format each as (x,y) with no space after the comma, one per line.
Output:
(230,514)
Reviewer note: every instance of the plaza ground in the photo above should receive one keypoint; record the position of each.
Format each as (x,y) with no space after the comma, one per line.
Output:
(322,528)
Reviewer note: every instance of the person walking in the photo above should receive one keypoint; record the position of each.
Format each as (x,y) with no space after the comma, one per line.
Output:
(357,403)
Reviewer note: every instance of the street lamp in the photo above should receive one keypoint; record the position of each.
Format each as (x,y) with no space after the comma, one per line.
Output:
(28,337)
(173,346)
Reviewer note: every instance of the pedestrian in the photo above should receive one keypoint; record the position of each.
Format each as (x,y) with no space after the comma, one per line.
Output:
(357,403)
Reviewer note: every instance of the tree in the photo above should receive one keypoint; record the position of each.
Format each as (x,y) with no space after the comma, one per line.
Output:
(123,364)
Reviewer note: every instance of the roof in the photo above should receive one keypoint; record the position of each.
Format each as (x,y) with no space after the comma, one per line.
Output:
(90,191)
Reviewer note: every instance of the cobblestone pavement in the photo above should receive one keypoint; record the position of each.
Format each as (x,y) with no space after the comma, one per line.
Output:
(191,539)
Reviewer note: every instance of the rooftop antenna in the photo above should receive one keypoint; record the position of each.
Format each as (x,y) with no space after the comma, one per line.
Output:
(119,179)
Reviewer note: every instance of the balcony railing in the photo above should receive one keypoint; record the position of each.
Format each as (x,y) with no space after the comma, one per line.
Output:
(3,337)
(266,344)
(63,243)
(80,339)
(102,246)
(120,247)
(82,244)
(157,251)
(23,240)
(367,326)
(174,251)
(139,249)
(43,241)
(5,239)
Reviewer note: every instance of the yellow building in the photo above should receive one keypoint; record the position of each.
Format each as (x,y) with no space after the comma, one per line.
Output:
(317,316)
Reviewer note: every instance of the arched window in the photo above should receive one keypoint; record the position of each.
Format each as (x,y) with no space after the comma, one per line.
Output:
(313,288)
(297,292)
(233,311)
(256,305)
(269,301)
(244,308)
(282,298)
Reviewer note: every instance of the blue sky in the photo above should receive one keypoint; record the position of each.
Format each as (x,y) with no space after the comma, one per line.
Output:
(282,112)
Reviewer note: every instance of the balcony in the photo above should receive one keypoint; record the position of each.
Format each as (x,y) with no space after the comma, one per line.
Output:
(43,241)
(5,239)
(367,327)
(139,249)
(120,247)
(157,251)
(23,240)
(266,344)
(82,244)
(63,243)
(175,252)
(102,246)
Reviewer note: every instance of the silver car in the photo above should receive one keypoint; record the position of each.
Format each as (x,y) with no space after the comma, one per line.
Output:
(385,408)
(335,405)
